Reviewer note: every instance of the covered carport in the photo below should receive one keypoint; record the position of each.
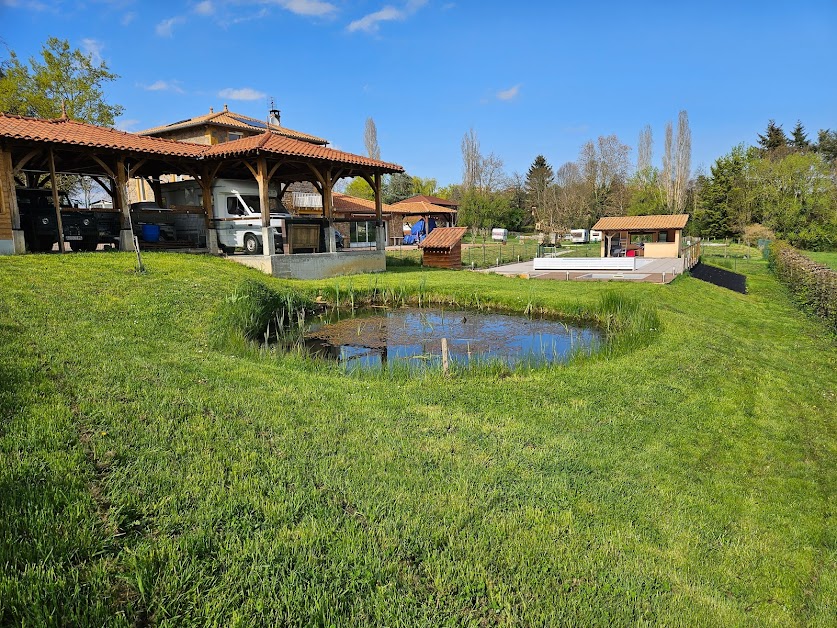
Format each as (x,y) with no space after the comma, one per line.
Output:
(33,150)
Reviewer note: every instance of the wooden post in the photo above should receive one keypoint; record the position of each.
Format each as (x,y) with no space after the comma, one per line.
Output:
(380,234)
(206,180)
(11,234)
(445,364)
(328,209)
(120,197)
(55,201)
(264,205)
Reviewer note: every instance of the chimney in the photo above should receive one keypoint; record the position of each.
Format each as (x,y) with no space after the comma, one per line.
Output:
(225,107)
(211,110)
(274,117)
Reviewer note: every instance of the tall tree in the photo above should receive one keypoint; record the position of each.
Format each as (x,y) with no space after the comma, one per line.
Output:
(644,154)
(774,137)
(63,77)
(827,145)
(397,187)
(471,159)
(799,138)
(677,161)
(370,139)
(538,179)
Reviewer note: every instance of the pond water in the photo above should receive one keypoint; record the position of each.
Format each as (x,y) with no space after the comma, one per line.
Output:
(412,336)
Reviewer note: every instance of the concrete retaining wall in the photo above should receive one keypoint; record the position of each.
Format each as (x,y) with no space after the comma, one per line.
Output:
(316,265)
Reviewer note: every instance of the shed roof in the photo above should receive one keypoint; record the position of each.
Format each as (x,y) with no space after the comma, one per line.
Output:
(443,238)
(661,221)
(234,120)
(443,202)
(348,203)
(419,208)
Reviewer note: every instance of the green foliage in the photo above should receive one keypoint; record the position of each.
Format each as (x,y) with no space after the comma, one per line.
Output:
(397,187)
(827,145)
(724,195)
(799,138)
(424,186)
(538,179)
(482,210)
(774,137)
(645,195)
(359,188)
(64,75)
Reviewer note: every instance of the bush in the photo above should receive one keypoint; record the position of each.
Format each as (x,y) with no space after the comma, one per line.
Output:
(755,232)
(813,285)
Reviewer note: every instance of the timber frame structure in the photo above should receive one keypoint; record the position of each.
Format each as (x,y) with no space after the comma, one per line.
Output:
(33,150)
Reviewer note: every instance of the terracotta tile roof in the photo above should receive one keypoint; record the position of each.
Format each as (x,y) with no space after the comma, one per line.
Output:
(236,121)
(435,200)
(419,208)
(277,145)
(661,221)
(65,131)
(443,238)
(348,203)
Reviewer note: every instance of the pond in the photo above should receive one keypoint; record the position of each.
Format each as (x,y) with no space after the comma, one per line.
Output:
(413,336)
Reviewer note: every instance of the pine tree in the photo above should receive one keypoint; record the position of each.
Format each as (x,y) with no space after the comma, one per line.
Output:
(773,138)
(538,179)
(799,138)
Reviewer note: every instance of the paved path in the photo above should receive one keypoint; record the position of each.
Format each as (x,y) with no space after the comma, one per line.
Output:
(652,271)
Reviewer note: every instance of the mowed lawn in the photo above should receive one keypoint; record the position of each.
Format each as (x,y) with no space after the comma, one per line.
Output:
(147,478)
(826,258)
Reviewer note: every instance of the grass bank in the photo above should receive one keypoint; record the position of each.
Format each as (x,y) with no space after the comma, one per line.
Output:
(148,477)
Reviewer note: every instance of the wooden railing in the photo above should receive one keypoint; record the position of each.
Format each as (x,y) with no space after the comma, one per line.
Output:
(690,254)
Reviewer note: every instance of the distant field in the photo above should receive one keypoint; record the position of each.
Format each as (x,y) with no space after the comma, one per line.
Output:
(149,476)
(828,259)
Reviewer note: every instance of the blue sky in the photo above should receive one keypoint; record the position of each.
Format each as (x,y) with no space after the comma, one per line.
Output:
(530,77)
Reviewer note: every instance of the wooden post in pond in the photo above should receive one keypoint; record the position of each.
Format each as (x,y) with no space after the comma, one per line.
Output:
(55,201)
(445,364)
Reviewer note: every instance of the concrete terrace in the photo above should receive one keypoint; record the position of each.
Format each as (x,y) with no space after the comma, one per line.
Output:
(649,271)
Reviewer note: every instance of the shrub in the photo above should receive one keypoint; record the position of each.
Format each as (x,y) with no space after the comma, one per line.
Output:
(755,232)
(813,285)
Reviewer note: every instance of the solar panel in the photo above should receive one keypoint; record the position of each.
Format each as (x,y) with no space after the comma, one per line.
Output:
(255,123)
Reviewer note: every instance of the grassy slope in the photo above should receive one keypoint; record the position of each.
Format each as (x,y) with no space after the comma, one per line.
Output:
(145,476)
(829,259)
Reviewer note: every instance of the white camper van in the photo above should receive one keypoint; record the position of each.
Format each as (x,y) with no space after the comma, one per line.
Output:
(235,212)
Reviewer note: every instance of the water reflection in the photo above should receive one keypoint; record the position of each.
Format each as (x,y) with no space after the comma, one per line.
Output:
(414,337)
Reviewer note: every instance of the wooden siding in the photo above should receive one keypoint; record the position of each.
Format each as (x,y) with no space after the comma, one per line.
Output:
(441,258)
(7,195)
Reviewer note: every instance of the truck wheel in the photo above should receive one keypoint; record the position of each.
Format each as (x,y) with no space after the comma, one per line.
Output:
(251,245)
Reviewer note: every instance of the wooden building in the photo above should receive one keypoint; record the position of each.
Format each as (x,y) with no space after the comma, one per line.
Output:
(442,248)
(656,236)
(33,149)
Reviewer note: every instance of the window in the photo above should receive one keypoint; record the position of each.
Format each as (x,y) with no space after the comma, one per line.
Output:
(362,234)
(231,137)
(663,236)
(638,238)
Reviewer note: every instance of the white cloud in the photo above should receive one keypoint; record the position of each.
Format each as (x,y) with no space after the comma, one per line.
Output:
(35,6)
(371,23)
(164,86)
(126,124)
(245,93)
(128,18)
(205,8)
(316,8)
(165,28)
(93,48)
(509,94)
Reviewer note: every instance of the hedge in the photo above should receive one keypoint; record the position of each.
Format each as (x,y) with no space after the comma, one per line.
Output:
(813,285)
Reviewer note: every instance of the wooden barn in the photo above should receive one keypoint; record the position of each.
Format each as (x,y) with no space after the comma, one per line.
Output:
(442,248)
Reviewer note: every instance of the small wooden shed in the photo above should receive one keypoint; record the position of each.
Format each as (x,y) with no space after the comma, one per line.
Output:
(442,248)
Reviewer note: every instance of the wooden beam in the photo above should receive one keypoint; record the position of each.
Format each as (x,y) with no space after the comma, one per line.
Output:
(264,190)
(24,160)
(251,168)
(105,167)
(55,201)
(107,187)
(274,169)
(379,204)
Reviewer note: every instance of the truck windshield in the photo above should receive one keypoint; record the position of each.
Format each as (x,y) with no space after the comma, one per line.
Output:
(235,208)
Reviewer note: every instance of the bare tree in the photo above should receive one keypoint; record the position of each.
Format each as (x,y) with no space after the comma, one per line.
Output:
(667,178)
(370,139)
(682,162)
(471,160)
(491,175)
(677,162)
(645,149)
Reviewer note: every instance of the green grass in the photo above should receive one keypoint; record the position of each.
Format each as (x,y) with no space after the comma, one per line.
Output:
(826,258)
(149,478)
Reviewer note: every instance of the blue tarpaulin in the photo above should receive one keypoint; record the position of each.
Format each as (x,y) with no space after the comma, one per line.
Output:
(418,232)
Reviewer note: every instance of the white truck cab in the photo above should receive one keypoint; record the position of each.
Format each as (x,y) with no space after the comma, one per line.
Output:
(236,216)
